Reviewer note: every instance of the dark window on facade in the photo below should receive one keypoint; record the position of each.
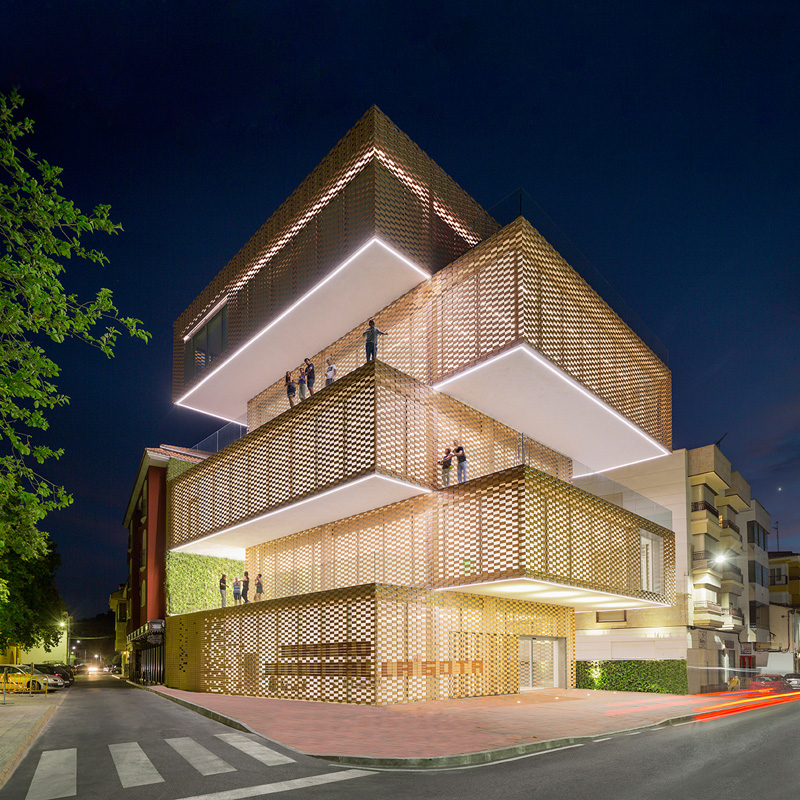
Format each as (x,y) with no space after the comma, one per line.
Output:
(206,345)
(757,573)
(122,612)
(611,616)
(757,535)
(759,615)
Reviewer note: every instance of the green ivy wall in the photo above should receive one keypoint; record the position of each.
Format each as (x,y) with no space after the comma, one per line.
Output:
(668,677)
(193,581)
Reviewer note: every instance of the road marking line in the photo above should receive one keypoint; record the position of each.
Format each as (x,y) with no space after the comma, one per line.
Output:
(632,733)
(204,761)
(282,786)
(56,775)
(257,751)
(602,740)
(133,766)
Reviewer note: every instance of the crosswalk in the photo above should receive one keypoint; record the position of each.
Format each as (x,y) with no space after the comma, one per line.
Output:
(56,774)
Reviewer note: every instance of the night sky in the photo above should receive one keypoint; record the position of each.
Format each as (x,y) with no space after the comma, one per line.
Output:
(662,139)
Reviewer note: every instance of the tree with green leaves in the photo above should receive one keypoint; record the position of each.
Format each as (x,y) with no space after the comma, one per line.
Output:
(39,231)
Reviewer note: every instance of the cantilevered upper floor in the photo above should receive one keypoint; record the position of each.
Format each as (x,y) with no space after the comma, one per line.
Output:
(512,330)
(376,217)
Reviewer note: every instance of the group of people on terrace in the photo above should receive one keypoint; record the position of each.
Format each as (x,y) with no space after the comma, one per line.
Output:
(306,380)
(241,589)
(307,376)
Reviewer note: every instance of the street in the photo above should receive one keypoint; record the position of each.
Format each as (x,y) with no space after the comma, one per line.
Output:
(110,740)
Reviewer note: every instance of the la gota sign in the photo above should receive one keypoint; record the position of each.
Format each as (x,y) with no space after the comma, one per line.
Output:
(432,669)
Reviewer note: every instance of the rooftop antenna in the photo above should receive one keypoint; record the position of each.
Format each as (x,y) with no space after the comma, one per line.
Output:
(716,444)
(777,527)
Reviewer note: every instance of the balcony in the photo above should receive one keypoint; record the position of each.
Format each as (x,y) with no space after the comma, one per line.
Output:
(735,618)
(732,579)
(368,440)
(709,615)
(519,533)
(510,312)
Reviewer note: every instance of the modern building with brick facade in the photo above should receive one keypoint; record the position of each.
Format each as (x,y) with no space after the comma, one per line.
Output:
(384,578)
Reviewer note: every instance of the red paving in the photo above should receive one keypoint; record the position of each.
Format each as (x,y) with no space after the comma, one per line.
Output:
(451,727)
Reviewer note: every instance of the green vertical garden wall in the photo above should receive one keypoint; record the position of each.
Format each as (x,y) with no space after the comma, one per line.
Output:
(668,677)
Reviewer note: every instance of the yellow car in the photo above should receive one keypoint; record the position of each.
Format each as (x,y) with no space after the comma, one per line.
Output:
(20,679)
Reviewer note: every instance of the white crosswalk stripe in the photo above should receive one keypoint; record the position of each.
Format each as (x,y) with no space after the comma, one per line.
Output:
(258,751)
(203,760)
(56,775)
(133,766)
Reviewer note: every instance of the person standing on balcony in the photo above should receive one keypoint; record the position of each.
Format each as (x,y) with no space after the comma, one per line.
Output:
(259,587)
(461,459)
(372,333)
(223,590)
(302,385)
(290,389)
(245,587)
(311,376)
(330,373)
(237,592)
(446,464)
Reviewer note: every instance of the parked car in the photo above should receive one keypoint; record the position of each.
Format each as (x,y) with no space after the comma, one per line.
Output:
(57,669)
(19,677)
(793,679)
(774,683)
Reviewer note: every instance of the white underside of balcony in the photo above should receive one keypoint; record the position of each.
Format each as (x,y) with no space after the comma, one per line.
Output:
(524,390)
(355,497)
(554,594)
(362,285)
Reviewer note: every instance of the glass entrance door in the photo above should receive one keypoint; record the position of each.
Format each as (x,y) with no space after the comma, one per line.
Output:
(538,662)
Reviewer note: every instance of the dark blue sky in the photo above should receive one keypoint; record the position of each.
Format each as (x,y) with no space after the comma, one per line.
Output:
(661,138)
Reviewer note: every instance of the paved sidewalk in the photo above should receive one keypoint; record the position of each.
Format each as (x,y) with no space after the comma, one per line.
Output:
(21,722)
(450,728)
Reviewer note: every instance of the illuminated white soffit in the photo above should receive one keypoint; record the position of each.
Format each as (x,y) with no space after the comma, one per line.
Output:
(355,497)
(524,390)
(366,282)
(556,594)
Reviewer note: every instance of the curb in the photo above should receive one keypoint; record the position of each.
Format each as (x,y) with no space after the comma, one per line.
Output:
(490,756)
(432,762)
(25,746)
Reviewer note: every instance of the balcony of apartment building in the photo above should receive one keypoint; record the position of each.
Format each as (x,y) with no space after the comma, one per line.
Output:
(733,618)
(707,568)
(368,440)
(709,614)
(732,579)
(730,539)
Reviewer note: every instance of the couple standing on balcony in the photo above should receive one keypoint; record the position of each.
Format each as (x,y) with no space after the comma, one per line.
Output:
(460,454)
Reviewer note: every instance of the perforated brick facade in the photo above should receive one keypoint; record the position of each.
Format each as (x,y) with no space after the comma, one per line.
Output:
(370,644)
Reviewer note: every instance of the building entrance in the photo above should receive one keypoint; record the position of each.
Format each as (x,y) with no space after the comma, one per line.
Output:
(542,662)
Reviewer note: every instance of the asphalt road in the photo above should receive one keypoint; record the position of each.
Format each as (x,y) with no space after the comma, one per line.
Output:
(112,742)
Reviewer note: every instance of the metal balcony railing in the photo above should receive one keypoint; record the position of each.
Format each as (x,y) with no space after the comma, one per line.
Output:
(704,505)
(708,608)
(727,523)
(731,568)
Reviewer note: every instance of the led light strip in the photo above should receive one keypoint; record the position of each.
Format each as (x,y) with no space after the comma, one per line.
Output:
(292,506)
(537,581)
(528,350)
